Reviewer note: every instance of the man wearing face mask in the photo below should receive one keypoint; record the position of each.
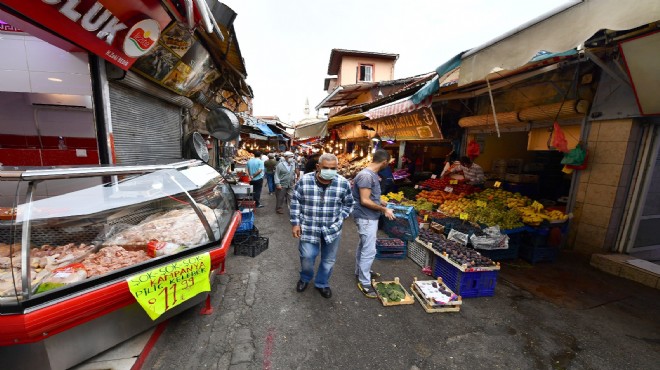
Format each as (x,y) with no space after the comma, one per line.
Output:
(321,201)
(285,178)
(366,189)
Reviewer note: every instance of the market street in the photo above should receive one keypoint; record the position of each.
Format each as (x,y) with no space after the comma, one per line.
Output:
(261,322)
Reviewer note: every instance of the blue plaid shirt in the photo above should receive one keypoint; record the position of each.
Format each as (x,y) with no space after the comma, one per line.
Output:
(319,212)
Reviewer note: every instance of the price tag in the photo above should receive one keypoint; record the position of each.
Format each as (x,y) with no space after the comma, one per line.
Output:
(449,189)
(498,184)
(426,217)
(463,216)
(481,203)
(416,186)
(453,182)
(166,287)
(434,176)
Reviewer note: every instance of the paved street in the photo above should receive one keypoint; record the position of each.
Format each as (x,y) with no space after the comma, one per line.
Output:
(261,322)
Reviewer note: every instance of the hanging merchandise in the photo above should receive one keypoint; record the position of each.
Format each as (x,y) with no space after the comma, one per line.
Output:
(473,149)
(559,139)
(576,157)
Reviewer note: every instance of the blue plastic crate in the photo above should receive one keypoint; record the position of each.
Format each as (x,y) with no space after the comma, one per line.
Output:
(400,247)
(466,284)
(405,225)
(391,255)
(534,254)
(247,221)
(511,253)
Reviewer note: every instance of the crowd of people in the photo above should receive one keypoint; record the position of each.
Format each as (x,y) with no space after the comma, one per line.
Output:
(320,199)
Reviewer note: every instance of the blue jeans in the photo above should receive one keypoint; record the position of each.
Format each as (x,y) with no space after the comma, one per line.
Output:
(270,177)
(308,253)
(366,249)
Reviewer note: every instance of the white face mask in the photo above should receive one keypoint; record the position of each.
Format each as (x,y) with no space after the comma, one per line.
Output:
(327,174)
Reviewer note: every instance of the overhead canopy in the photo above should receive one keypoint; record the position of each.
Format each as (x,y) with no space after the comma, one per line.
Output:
(344,95)
(562,29)
(343,119)
(265,129)
(405,105)
(314,129)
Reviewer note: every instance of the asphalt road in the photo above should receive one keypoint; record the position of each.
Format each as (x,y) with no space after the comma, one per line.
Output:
(261,322)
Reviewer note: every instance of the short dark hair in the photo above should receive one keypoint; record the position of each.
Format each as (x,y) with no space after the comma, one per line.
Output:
(466,160)
(257,153)
(381,155)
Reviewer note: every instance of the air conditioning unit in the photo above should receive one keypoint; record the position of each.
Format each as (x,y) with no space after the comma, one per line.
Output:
(61,100)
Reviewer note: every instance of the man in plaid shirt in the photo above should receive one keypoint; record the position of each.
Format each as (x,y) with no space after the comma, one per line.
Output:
(321,201)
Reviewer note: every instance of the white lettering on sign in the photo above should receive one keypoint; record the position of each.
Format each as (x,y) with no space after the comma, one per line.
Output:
(116,58)
(91,20)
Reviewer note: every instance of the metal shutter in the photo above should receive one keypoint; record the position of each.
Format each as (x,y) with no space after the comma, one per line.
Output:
(144,128)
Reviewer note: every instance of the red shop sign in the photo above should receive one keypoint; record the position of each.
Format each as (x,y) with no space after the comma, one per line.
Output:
(119,31)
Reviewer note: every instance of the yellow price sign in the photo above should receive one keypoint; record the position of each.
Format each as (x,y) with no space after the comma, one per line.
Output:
(453,182)
(166,287)
(481,203)
(426,217)
(464,216)
(497,184)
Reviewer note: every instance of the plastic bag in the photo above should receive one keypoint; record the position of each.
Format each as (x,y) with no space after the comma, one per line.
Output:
(559,139)
(575,157)
(62,276)
(473,149)
(458,237)
(490,242)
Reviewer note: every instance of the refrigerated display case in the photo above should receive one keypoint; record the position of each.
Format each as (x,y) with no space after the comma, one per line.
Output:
(77,234)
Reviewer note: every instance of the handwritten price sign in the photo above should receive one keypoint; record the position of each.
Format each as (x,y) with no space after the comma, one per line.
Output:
(464,216)
(453,182)
(166,287)
(481,203)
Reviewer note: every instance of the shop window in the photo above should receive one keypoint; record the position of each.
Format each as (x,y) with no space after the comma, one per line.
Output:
(365,73)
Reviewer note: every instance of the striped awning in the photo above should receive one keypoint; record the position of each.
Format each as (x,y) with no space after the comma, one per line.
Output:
(405,105)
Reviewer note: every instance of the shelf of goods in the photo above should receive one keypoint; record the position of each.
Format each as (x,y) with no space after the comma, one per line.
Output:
(464,270)
(116,251)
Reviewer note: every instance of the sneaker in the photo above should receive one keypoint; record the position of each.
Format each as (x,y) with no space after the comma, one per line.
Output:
(374,274)
(368,291)
(260,206)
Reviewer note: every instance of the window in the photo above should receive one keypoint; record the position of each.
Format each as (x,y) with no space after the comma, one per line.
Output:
(365,73)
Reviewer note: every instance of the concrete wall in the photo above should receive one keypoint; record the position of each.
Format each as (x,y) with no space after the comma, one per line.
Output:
(603,186)
(383,69)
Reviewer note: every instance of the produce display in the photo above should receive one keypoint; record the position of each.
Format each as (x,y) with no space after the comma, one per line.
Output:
(435,292)
(455,207)
(392,291)
(441,184)
(242,156)
(350,170)
(506,219)
(398,197)
(419,205)
(400,174)
(409,192)
(390,243)
(459,254)
(437,196)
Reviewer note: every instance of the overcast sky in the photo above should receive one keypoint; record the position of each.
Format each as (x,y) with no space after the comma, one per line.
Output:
(286,44)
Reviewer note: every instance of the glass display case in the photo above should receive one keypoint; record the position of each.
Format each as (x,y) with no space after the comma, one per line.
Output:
(69,238)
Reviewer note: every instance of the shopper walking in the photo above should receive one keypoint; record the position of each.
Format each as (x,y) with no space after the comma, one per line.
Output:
(255,168)
(321,201)
(270,165)
(285,179)
(368,208)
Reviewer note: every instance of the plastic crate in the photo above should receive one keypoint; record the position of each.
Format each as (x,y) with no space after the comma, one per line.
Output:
(405,225)
(245,235)
(533,254)
(400,244)
(511,253)
(252,249)
(249,204)
(466,284)
(247,221)
(391,255)
(419,254)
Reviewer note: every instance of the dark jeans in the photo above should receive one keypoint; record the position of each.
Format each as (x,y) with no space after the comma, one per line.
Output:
(256,188)
(270,177)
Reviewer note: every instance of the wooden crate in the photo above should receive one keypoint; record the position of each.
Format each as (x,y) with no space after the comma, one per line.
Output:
(429,307)
(407,300)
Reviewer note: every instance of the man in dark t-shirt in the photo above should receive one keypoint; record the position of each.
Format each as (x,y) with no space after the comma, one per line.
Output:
(366,191)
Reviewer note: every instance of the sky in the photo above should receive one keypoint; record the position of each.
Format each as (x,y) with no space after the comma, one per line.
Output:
(286,44)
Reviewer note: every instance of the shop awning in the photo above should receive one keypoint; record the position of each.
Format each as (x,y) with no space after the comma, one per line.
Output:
(562,29)
(258,137)
(404,105)
(265,129)
(343,119)
(344,95)
(314,129)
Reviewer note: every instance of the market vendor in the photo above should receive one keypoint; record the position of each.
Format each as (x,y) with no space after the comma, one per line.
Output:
(451,162)
(387,180)
(473,173)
